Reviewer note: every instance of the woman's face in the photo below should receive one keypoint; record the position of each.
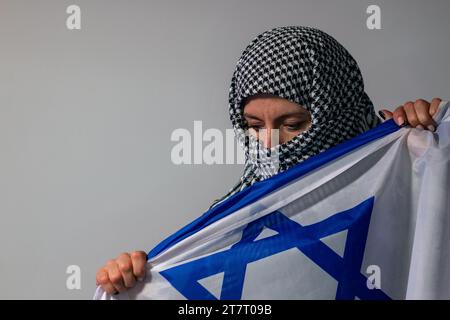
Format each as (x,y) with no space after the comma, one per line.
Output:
(266,113)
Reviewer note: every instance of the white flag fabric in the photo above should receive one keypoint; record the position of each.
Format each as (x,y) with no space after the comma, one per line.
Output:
(367,219)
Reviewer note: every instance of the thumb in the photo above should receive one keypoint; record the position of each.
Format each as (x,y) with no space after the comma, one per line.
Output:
(385,114)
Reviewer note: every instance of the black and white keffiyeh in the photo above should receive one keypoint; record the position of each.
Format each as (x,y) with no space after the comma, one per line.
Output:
(309,67)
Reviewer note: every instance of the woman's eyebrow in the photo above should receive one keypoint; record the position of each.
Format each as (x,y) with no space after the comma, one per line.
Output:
(251,116)
(299,114)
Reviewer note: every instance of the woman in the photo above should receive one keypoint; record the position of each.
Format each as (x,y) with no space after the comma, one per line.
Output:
(298,92)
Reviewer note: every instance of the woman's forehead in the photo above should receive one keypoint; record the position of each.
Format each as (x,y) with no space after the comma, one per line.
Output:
(269,103)
(267,98)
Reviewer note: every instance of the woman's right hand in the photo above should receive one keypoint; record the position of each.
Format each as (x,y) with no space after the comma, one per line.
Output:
(122,273)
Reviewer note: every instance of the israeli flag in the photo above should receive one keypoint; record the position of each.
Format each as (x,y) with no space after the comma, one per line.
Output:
(367,219)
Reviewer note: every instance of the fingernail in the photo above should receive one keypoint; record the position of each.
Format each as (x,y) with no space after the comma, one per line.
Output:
(419,126)
(431,127)
(381,113)
(401,121)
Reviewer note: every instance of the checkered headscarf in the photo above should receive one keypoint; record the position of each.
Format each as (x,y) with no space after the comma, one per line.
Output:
(309,67)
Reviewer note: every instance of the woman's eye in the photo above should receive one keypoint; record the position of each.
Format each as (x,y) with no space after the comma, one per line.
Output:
(294,126)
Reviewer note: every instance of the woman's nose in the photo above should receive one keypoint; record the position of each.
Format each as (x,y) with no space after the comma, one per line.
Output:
(269,137)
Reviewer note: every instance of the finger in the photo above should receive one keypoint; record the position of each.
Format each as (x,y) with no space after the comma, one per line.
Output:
(434,106)
(411,115)
(102,280)
(385,114)
(115,276)
(400,116)
(126,268)
(139,261)
(422,109)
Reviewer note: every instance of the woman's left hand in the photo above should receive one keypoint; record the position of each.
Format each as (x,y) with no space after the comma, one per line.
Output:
(417,114)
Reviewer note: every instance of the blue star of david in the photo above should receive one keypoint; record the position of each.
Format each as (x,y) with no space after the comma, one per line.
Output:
(233,262)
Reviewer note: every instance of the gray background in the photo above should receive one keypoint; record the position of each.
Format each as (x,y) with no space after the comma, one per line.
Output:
(86,116)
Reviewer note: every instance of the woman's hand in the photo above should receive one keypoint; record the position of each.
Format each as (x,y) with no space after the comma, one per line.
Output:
(121,274)
(417,114)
